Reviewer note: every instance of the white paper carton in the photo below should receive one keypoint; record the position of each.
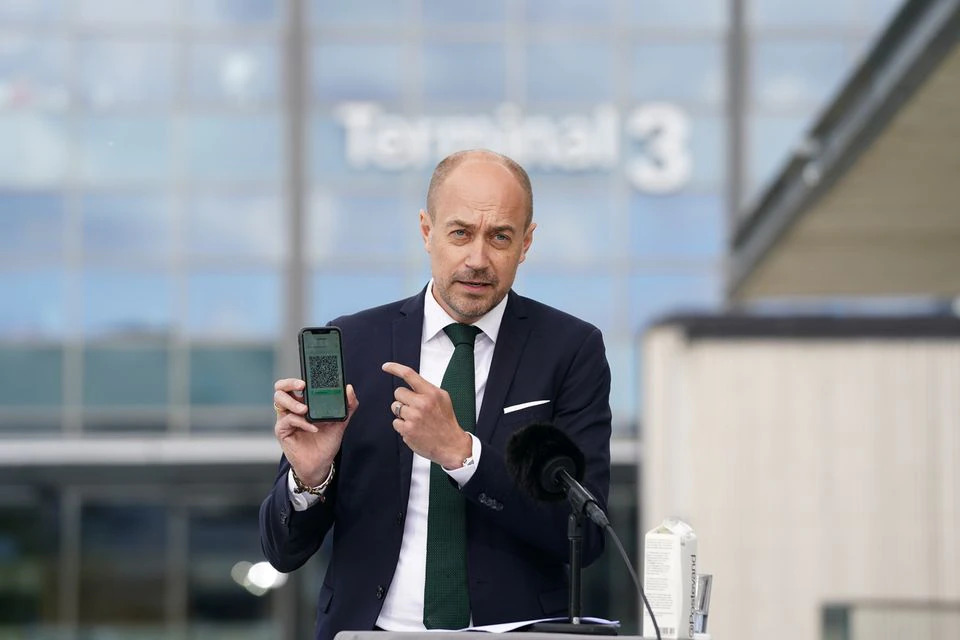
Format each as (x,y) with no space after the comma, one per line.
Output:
(670,578)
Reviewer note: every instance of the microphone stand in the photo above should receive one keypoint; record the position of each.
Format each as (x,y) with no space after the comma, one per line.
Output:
(574,625)
(541,458)
(575,535)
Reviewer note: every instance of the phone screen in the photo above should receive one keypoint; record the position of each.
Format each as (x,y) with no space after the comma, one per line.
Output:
(322,361)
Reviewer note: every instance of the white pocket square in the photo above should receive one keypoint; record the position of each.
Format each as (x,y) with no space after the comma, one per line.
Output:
(523,405)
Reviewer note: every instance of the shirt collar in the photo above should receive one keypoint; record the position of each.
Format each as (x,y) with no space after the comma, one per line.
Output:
(435,318)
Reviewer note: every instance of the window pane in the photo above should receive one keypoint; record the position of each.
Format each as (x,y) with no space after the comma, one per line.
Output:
(333,294)
(234,12)
(126,72)
(358,71)
(687,71)
(124,12)
(232,305)
(125,376)
(657,293)
(803,73)
(123,149)
(572,11)
(227,530)
(667,149)
(575,226)
(240,376)
(130,226)
(234,148)
(123,552)
(349,225)
(32,376)
(32,71)
(591,297)
(29,553)
(690,14)
(363,140)
(324,13)
(441,11)
(328,148)
(237,73)
(464,71)
(33,314)
(236,226)
(833,13)
(31,11)
(677,226)
(35,149)
(31,225)
(220,538)
(127,303)
(708,147)
(569,71)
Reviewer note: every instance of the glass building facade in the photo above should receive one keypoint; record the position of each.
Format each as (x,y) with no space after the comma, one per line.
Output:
(184,183)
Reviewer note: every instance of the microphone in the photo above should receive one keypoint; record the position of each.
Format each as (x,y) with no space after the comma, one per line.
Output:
(548,465)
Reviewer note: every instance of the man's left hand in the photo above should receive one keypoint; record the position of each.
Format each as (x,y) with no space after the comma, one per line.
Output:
(424,418)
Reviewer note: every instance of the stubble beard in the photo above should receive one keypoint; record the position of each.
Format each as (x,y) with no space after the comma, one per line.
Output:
(467,306)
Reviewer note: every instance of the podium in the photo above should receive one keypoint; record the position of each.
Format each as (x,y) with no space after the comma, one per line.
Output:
(468,635)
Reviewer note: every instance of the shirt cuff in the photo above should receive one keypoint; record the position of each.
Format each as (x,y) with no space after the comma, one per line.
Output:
(462,475)
(300,501)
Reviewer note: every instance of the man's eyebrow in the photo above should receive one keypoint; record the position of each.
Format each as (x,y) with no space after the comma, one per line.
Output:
(456,223)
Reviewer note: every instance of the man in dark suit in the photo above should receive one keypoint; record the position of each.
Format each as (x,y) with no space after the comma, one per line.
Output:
(431,531)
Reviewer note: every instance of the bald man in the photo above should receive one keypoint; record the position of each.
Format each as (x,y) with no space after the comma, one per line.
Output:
(431,530)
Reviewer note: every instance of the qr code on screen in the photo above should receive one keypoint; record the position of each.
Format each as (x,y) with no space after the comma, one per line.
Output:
(323,372)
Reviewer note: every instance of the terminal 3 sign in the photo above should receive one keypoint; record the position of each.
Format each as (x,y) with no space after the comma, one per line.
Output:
(656,134)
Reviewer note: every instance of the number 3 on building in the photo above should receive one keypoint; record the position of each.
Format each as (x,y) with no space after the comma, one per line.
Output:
(664,163)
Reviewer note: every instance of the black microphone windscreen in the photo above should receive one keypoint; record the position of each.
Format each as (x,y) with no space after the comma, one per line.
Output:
(529,452)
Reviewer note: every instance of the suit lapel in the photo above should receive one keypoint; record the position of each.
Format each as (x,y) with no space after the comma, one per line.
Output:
(514,329)
(407,332)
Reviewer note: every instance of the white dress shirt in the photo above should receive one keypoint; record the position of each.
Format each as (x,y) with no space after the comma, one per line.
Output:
(403,605)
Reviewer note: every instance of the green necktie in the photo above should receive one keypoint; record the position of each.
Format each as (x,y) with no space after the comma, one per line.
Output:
(446,601)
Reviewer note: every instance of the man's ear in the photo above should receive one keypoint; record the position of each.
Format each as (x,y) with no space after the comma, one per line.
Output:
(527,240)
(426,225)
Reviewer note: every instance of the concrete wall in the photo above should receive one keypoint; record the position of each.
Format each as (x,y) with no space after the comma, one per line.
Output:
(813,471)
(883,622)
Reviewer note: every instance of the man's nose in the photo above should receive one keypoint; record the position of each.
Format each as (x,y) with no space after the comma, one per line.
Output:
(477,257)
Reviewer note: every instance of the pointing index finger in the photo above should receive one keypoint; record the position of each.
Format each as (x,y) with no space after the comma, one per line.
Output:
(406,374)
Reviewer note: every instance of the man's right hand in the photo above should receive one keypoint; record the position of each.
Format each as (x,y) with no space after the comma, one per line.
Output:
(309,447)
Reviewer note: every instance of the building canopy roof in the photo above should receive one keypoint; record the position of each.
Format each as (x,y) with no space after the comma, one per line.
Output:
(869,204)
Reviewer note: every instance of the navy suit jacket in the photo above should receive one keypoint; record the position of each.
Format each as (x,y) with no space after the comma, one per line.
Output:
(517,547)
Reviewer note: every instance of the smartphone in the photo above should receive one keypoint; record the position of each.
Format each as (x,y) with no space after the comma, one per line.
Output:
(321,365)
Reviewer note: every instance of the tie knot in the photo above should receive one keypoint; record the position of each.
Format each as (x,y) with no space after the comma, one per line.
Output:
(461,333)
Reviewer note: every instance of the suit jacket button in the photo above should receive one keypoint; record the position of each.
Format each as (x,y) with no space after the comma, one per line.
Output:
(400,517)
(380,592)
